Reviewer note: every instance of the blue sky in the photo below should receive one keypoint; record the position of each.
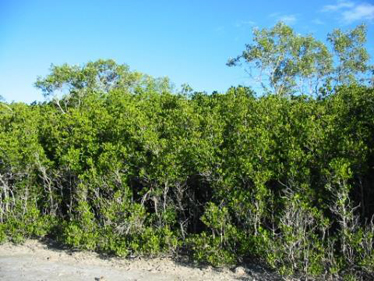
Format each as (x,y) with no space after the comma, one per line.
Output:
(187,40)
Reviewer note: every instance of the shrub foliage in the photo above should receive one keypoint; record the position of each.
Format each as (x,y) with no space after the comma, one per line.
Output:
(139,170)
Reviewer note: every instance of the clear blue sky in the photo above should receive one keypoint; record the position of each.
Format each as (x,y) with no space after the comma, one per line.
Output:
(187,40)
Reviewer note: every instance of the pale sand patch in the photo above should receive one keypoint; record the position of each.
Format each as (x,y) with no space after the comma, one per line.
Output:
(36,261)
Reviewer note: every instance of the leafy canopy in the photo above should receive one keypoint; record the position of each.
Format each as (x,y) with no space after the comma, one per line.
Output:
(100,76)
(295,63)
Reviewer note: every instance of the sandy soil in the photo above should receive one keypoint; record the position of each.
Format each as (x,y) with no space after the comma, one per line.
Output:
(39,261)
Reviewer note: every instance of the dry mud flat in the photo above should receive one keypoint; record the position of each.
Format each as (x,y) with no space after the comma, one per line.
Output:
(36,261)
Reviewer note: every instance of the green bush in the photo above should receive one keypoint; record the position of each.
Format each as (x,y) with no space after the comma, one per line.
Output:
(139,170)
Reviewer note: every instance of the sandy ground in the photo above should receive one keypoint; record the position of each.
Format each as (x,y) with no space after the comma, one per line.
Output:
(39,261)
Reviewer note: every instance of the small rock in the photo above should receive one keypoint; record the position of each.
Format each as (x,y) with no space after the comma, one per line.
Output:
(240,270)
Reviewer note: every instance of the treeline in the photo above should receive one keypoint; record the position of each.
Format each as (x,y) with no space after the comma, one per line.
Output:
(133,169)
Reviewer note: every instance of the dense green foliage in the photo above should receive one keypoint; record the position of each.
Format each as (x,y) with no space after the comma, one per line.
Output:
(115,161)
(226,177)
